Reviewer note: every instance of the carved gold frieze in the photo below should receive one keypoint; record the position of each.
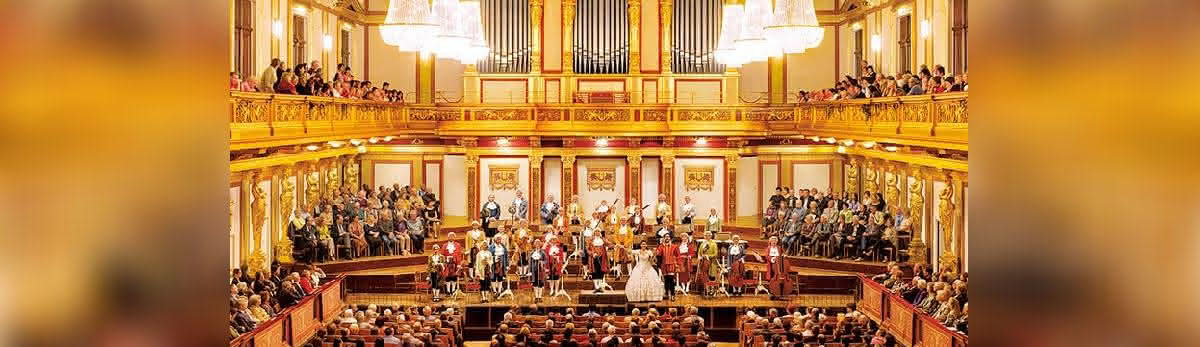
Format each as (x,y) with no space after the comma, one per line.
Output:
(954,111)
(428,114)
(287,112)
(249,111)
(698,178)
(502,114)
(601,178)
(654,115)
(713,115)
(602,115)
(551,115)
(503,177)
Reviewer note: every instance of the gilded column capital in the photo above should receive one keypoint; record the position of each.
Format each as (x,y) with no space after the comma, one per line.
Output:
(472,160)
(635,34)
(568,160)
(535,160)
(568,26)
(665,13)
(668,160)
(732,158)
(634,161)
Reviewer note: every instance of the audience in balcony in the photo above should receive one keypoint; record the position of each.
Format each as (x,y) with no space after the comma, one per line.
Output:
(257,300)
(306,79)
(871,85)
(941,294)
(382,221)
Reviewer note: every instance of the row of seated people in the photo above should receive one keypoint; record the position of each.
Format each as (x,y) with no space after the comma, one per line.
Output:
(385,221)
(407,326)
(941,294)
(253,301)
(812,326)
(836,224)
(535,328)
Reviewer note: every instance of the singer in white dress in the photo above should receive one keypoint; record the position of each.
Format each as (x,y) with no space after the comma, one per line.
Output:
(644,281)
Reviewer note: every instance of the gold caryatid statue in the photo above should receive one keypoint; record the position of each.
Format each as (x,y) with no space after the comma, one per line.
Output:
(869,183)
(258,214)
(852,178)
(892,191)
(916,209)
(946,223)
(333,181)
(352,175)
(313,192)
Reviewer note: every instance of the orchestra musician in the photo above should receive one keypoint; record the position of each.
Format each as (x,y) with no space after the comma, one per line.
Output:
(685,267)
(453,253)
(499,265)
(713,223)
(483,268)
(597,262)
(476,238)
(549,210)
(575,211)
(667,256)
(519,208)
(538,269)
(737,265)
(522,242)
(778,283)
(556,257)
(662,211)
(436,266)
(622,241)
(708,270)
(688,212)
(489,212)
(634,216)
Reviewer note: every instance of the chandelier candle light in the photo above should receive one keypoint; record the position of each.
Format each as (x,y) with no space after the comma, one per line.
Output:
(753,32)
(408,26)
(794,27)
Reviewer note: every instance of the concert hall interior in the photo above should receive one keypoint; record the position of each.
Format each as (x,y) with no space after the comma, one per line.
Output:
(598,172)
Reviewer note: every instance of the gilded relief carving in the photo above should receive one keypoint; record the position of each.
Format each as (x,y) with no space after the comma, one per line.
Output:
(698,178)
(502,114)
(289,111)
(249,111)
(705,115)
(601,178)
(654,115)
(602,115)
(952,111)
(551,115)
(503,177)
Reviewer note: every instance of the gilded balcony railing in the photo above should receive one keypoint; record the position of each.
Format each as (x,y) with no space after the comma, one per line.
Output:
(277,118)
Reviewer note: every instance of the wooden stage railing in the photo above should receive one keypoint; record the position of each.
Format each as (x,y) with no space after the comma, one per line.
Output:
(902,319)
(295,325)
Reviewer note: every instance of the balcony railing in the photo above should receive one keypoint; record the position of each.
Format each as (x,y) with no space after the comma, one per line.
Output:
(257,118)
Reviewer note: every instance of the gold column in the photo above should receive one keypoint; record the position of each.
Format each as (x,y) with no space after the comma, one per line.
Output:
(665,12)
(666,176)
(568,31)
(535,185)
(891,187)
(918,251)
(775,78)
(568,178)
(634,163)
(635,35)
(425,72)
(472,186)
(948,221)
(244,216)
(731,182)
(870,180)
(312,183)
(333,178)
(352,173)
(960,230)
(535,29)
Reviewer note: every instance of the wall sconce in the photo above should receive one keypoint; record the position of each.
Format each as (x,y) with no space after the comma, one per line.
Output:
(337,144)
(300,11)
(503,141)
(701,141)
(868,144)
(602,142)
(347,27)
(327,41)
(362,149)
(924,28)
(356,142)
(902,11)
(856,26)
(830,140)
(373,140)
(312,147)
(277,28)
(876,42)
(891,148)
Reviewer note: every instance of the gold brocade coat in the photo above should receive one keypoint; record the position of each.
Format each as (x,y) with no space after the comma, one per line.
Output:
(574,212)
(707,252)
(475,239)
(663,210)
(622,237)
(524,240)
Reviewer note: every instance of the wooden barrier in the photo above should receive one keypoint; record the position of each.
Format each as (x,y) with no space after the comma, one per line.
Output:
(903,320)
(294,325)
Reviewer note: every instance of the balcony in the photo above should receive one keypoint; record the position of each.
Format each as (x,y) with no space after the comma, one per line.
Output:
(259,120)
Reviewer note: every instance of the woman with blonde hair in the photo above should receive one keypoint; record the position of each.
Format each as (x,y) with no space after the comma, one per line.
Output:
(256,310)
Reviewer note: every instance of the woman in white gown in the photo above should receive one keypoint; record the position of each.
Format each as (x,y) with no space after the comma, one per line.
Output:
(644,282)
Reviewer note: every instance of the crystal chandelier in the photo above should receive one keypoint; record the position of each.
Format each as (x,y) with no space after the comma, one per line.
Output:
(478,47)
(752,43)
(732,16)
(408,26)
(453,37)
(794,27)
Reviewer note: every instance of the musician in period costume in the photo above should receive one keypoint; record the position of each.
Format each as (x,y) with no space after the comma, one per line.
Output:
(453,255)
(489,213)
(713,223)
(688,211)
(665,230)
(575,211)
(476,238)
(590,229)
(483,268)
(522,241)
(549,210)
(539,267)
(613,220)
(667,255)
(437,264)
(736,260)
(556,257)
(597,262)
(622,242)
(499,267)
(685,267)
(519,208)
(634,216)
(662,211)
(777,270)
(708,270)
